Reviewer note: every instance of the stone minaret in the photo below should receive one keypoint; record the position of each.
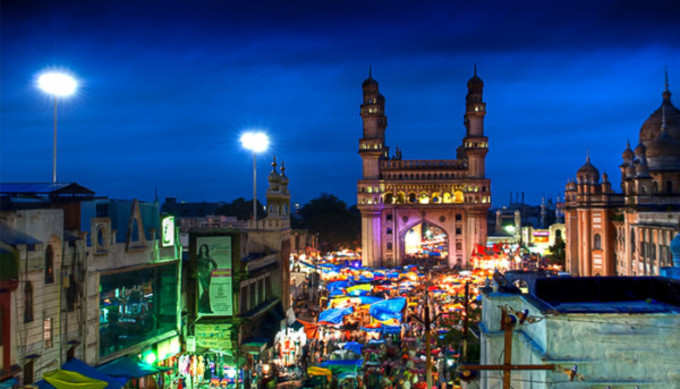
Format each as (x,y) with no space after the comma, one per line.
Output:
(372,146)
(372,150)
(278,198)
(476,144)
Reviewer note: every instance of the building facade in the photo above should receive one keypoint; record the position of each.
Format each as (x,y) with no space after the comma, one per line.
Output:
(395,195)
(96,279)
(628,232)
(605,332)
(239,290)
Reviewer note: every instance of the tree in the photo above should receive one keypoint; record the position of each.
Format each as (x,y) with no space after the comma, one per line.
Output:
(338,226)
(558,252)
(241,208)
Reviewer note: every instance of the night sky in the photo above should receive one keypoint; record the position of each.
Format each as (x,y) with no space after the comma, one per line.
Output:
(168,87)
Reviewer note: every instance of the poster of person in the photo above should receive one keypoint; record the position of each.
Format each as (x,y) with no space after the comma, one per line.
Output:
(213,268)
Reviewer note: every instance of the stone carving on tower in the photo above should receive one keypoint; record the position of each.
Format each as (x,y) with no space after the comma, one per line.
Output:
(394,195)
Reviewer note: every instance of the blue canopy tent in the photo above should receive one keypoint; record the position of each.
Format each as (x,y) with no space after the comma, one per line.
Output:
(334,315)
(388,309)
(88,371)
(353,347)
(78,366)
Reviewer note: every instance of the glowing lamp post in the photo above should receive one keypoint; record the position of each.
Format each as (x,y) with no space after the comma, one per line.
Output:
(56,84)
(256,142)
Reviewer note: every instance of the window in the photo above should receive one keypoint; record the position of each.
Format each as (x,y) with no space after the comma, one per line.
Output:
(268,287)
(251,292)
(458,231)
(459,217)
(47,332)
(459,246)
(388,217)
(632,240)
(49,265)
(389,245)
(389,231)
(28,373)
(597,242)
(137,305)
(260,290)
(669,187)
(28,302)
(244,300)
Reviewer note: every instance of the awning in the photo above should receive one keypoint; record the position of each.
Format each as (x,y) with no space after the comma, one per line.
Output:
(8,384)
(81,367)
(254,346)
(65,379)
(127,367)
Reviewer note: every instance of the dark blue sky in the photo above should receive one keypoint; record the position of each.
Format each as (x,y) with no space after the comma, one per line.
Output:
(168,87)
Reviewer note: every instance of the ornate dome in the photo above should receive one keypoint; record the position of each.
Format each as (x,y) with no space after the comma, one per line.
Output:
(664,150)
(652,126)
(627,153)
(588,171)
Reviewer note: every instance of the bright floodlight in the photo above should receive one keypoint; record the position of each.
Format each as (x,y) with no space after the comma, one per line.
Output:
(255,141)
(57,84)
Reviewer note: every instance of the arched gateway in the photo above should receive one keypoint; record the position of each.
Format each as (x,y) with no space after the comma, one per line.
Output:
(394,195)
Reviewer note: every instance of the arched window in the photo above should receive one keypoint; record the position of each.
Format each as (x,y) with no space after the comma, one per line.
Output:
(49,265)
(597,242)
(632,240)
(28,302)
(412,198)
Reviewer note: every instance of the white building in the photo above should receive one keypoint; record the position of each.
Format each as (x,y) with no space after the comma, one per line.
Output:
(614,332)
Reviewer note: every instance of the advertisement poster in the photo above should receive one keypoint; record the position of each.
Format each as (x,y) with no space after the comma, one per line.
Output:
(214,336)
(168,231)
(213,266)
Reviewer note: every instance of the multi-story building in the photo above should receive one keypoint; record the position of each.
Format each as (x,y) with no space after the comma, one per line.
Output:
(97,279)
(628,233)
(41,277)
(239,288)
(395,195)
(585,332)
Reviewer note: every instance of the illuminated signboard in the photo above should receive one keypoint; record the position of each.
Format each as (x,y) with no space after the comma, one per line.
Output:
(168,231)
(213,266)
(541,233)
(215,336)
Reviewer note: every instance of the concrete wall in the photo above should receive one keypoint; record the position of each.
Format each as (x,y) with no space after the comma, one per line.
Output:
(618,350)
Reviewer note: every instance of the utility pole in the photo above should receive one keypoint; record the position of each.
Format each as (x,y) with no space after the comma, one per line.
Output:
(427,320)
(508,323)
(465,320)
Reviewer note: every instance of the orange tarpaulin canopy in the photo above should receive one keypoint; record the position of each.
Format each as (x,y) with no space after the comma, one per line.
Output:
(310,328)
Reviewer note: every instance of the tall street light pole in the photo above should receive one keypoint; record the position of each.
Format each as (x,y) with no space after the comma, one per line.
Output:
(56,84)
(256,142)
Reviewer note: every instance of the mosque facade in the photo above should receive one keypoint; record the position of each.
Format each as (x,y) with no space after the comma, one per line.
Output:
(395,195)
(628,232)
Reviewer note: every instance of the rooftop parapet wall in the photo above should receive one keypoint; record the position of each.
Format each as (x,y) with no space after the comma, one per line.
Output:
(417,164)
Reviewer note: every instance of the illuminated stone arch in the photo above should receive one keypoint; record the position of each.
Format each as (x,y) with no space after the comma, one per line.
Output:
(412,198)
(388,198)
(458,197)
(436,198)
(401,198)
(424,198)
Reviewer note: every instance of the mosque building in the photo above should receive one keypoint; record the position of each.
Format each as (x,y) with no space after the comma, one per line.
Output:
(400,198)
(628,233)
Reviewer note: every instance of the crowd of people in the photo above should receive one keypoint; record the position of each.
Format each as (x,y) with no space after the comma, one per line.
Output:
(367,328)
